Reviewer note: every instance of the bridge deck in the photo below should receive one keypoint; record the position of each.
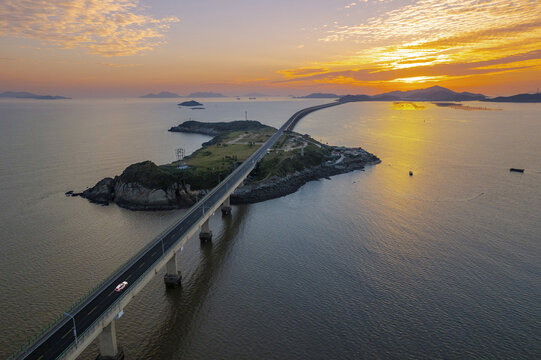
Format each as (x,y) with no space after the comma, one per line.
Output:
(101,305)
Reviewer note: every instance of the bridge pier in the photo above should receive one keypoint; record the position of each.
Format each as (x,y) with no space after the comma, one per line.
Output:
(226,206)
(206,234)
(108,345)
(172,276)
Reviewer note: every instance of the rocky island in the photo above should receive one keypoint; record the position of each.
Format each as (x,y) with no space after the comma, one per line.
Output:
(294,160)
(190,103)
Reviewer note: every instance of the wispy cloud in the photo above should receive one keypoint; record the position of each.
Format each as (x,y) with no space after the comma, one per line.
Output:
(434,40)
(117,65)
(104,27)
(292,73)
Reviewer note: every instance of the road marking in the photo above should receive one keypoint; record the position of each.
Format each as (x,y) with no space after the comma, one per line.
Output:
(66,334)
(140,266)
(154,253)
(41,357)
(129,276)
(111,293)
(94,308)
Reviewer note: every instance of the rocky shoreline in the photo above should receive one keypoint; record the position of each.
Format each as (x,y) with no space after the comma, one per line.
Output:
(275,187)
(296,160)
(135,196)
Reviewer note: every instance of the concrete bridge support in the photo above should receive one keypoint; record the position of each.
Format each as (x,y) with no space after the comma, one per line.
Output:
(226,206)
(172,276)
(108,345)
(206,234)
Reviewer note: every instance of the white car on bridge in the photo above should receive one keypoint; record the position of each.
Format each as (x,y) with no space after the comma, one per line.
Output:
(121,286)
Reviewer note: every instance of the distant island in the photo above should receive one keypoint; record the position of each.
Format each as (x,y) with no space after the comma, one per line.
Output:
(206,95)
(162,95)
(294,160)
(434,93)
(190,103)
(27,95)
(438,93)
(170,95)
(318,96)
(519,98)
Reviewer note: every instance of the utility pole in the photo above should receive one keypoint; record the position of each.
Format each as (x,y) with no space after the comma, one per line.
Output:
(246,115)
(180,156)
(74,328)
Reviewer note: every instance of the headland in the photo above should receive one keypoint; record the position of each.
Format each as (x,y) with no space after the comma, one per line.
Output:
(294,160)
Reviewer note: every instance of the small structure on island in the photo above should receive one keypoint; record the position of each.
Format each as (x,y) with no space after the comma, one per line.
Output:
(180,156)
(411,173)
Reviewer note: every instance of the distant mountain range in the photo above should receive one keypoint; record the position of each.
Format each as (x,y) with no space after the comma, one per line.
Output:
(27,95)
(520,98)
(205,95)
(162,95)
(318,96)
(434,93)
(438,93)
(170,95)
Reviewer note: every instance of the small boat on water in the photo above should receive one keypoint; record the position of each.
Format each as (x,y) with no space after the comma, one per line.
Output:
(516,170)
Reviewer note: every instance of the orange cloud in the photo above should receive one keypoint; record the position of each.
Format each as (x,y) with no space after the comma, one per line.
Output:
(104,27)
(291,73)
(436,40)
(421,74)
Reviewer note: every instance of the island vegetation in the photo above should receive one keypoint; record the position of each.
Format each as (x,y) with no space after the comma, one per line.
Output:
(291,162)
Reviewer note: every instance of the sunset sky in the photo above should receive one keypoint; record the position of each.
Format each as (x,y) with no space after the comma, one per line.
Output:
(99,48)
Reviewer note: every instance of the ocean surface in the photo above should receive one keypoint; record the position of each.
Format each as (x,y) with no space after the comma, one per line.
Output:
(370,264)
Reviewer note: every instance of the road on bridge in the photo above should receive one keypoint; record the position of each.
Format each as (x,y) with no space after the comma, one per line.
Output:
(61,337)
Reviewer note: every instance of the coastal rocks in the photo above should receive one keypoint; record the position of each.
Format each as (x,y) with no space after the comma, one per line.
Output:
(195,128)
(275,186)
(101,193)
(135,196)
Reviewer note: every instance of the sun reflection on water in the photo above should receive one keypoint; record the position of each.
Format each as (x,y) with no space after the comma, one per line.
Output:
(404,105)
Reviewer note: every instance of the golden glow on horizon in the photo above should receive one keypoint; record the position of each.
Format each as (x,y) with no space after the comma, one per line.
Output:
(436,40)
(419,79)
(121,44)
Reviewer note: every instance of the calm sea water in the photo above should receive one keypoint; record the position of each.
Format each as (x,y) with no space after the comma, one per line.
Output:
(370,264)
